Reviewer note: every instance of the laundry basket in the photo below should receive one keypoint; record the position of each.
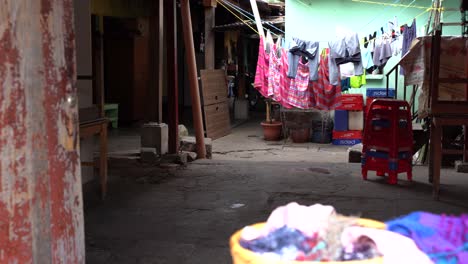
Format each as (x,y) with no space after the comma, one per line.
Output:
(241,255)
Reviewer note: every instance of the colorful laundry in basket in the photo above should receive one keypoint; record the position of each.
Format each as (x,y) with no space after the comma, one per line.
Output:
(443,238)
(318,233)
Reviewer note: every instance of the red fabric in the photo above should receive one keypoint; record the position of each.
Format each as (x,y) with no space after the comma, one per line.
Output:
(261,74)
(327,96)
(285,81)
(299,93)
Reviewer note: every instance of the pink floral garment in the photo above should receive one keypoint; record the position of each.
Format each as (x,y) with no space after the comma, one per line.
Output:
(261,74)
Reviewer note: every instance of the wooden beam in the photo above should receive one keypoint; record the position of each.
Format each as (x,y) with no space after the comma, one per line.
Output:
(41,204)
(170,17)
(209,3)
(210,12)
(192,73)
(156,64)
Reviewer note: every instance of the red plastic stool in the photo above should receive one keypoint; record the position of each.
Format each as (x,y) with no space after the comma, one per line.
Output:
(388,139)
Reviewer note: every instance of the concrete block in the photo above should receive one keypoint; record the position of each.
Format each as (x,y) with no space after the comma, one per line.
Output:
(191,156)
(180,158)
(189,144)
(461,166)
(148,155)
(241,109)
(155,135)
(183,131)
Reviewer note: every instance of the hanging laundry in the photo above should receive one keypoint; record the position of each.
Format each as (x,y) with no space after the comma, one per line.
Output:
(277,75)
(357,81)
(274,71)
(261,73)
(327,95)
(301,48)
(345,49)
(285,81)
(367,61)
(409,34)
(346,70)
(382,53)
(397,45)
(345,84)
(443,238)
(393,25)
(299,93)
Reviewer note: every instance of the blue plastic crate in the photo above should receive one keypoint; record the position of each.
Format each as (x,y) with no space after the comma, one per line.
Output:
(346,142)
(341,120)
(380,92)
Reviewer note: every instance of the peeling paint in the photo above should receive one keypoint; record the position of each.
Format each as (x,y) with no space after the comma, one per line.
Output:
(41,218)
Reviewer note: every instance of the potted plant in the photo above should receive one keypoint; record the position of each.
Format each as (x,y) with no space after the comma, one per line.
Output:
(271,128)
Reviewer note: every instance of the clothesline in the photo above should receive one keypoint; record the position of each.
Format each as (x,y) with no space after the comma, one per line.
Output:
(378,15)
(237,16)
(420,14)
(249,15)
(243,13)
(394,4)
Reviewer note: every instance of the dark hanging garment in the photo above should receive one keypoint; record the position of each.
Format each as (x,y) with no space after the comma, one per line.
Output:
(409,34)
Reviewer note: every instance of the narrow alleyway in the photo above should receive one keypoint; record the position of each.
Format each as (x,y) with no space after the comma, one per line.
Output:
(186,214)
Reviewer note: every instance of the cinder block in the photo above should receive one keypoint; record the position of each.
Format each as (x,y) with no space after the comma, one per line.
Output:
(189,144)
(191,156)
(148,155)
(179,158)
(183,132)
(461,166)
(155,135)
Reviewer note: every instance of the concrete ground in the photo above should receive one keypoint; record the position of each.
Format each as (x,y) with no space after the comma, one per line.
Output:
(187,214)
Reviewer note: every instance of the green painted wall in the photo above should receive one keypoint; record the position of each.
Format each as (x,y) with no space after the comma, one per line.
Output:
(320,19)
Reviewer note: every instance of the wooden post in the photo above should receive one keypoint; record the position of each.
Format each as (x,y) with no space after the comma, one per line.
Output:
(192,73)
(41,205)
(241,67)
(210,10)
(99,66)
(172,84)
(156,64)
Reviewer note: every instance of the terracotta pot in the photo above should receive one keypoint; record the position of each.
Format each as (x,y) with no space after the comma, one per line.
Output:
(272,131)
(300,135)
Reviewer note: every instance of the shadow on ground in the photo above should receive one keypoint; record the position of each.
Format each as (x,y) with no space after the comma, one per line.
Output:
(186,214)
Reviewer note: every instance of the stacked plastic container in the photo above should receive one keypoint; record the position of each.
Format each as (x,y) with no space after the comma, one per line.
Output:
(376,93)
(388,140)
(349,120)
